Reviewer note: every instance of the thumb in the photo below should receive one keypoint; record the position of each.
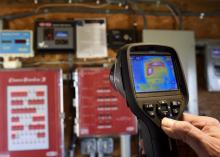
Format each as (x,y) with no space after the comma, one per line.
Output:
(184,131)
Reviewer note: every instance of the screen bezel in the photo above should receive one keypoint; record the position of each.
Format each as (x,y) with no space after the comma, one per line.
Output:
(152,51)
(159,55)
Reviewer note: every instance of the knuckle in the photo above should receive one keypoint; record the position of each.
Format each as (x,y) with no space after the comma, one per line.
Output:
(210,129)
(186,127)
(213,121)
(206,129)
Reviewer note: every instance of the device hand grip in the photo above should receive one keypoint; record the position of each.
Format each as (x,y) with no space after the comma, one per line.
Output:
(156,142)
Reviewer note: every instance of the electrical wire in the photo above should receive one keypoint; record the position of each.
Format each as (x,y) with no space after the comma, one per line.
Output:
(85,62)
(15,16)
(46,63)
(177,13)
(178,20)
(72,5)
(137,11)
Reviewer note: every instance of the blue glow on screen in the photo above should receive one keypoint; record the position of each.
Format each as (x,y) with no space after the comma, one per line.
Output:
(153,73)
(216,52)
(61,34)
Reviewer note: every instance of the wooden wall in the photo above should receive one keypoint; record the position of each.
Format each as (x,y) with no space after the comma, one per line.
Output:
(209,27)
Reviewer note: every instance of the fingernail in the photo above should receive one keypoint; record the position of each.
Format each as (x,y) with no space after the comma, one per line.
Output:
(167,122)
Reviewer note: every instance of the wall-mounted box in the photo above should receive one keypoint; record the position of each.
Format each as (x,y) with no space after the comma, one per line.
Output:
(100,110)
(30,113)
(55,35)
(212,58)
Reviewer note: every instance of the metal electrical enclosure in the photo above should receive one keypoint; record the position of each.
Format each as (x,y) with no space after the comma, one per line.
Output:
(91,38)
(100,109)
(212,54)
(120,37)
(55,35)
(30,112)
(15,43)
(184,43)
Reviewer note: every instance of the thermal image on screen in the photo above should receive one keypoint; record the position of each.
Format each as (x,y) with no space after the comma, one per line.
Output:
(153,73)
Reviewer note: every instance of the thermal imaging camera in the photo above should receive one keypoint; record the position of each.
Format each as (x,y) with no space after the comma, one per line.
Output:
(151,79)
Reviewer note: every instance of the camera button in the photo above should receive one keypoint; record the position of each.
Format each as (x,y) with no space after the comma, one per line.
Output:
(163,110)
(175,104)
(151,113)
(148,107)
(175,111)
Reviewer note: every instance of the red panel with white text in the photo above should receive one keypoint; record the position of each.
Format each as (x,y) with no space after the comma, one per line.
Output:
(30,107)
(100,109)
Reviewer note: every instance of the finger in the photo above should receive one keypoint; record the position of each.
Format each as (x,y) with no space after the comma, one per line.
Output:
(213,131)
(184,131)
(200,121)
(180,129)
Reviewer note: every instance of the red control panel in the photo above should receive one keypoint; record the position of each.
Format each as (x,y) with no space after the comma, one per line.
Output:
(100,109)
(30,108)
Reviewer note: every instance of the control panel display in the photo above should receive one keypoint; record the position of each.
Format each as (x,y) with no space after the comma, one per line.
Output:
(27,117)
(16,43)
(55,35)
(30,109)
(153,73)
(100,109)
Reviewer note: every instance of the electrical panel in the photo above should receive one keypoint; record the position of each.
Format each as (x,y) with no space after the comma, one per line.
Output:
(212,54)
(16,43)
(119,37)
(55,35)
(100,110)
(30,111)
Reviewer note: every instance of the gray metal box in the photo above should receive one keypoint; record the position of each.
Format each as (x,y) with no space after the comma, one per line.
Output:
(184,43)
(55,35)
(212,57)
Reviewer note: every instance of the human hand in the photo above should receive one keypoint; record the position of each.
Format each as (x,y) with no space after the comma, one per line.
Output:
(200,132)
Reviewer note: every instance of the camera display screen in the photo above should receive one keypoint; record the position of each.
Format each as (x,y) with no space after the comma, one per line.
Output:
(153,73)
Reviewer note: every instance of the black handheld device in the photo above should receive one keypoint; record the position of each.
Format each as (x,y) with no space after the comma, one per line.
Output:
(151,79)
